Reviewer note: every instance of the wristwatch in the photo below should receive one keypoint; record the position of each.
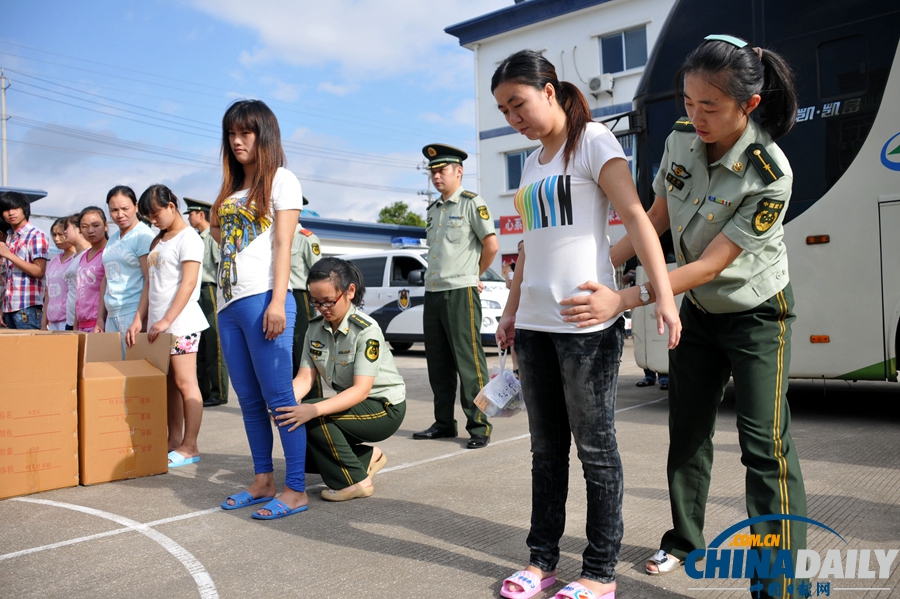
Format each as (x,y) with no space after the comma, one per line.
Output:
(645,295)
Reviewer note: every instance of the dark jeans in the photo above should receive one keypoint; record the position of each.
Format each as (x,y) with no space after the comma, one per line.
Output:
(29,318)
(569,384)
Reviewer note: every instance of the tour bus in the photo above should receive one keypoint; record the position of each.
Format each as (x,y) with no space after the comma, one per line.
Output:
(843,222)
(395,293)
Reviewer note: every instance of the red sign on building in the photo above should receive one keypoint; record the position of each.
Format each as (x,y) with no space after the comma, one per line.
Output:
(511,225)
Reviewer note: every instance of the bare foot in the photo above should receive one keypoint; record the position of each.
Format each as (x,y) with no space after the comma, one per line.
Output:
(263,486)
(534,570)
(598,588)
(289,497)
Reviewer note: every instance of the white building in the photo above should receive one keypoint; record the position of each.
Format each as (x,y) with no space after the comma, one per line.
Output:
(599,45)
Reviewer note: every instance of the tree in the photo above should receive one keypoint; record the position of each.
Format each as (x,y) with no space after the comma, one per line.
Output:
(399,213)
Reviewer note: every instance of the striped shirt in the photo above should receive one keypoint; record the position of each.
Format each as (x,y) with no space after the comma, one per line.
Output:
(23,290)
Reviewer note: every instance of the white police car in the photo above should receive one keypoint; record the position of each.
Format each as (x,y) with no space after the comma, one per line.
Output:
(395,293)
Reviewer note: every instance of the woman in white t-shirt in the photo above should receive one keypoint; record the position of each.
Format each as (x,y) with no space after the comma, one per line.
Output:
(568,359)
(253,219)
(168,303)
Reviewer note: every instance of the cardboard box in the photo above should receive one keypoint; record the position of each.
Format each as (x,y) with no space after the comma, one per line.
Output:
(122,408)
(38,418)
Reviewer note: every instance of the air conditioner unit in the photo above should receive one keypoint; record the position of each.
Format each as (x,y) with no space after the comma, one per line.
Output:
(603,83)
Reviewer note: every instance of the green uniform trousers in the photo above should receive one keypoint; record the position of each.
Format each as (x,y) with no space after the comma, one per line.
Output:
(212,374)
(334,443)
(755,348)
(452,327)
(305,311)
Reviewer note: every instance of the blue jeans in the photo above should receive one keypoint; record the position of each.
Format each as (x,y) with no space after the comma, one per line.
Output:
(261,374)
(569,385)
(29,318)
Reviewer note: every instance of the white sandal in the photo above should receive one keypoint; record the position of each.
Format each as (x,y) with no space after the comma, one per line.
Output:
(664,562)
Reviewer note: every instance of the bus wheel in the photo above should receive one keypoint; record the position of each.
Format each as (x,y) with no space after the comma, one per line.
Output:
(400,347)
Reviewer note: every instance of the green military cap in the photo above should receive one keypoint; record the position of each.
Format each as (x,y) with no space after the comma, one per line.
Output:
(196,206)
(438,155)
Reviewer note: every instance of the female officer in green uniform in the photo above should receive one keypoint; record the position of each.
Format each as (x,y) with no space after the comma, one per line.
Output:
(346,348)
(722,188)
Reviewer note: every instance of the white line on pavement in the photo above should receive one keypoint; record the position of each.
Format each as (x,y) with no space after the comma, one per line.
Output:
(205,585)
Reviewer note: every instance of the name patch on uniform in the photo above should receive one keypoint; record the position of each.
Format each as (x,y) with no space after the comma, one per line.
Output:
(680,171)
(483,212)
(678,183)
(372,350)
(718,200)
(767,212)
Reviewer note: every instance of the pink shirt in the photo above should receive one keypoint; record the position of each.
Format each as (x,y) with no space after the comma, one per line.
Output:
(87,285)
(57,289)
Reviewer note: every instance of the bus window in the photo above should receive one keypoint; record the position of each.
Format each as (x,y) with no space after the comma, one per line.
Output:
(842,68)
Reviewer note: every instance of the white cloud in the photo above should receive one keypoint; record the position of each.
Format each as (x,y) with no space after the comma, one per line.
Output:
(337,90)
(464,114)
(368,39)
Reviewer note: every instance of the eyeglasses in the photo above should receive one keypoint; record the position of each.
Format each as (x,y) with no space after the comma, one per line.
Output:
(325,305)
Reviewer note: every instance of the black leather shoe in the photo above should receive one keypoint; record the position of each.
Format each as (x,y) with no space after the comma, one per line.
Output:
(212,402)
(478,441)
(432,432)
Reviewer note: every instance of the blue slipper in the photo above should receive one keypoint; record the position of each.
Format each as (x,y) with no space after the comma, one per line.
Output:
(177,460)
(279,510)
(243,499)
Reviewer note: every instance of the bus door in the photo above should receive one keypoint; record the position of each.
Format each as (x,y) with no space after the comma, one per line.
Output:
(889,225)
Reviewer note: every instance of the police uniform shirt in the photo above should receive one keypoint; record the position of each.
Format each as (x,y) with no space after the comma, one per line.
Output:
(454,231)
(305,251)
(356,348)
(744,195)
(210,258)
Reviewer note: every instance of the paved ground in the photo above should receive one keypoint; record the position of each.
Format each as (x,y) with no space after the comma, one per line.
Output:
(445,522)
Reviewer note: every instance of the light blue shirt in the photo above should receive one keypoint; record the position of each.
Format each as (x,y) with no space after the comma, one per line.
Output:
(124,279)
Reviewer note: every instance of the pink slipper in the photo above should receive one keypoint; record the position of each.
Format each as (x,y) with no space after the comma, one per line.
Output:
(576,590)
(530,582)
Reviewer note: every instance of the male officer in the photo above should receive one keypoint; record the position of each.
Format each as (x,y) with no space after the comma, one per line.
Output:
(305,251)
(212,374)
(462,243)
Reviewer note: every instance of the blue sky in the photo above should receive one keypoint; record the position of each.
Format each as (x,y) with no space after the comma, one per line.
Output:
(105,93)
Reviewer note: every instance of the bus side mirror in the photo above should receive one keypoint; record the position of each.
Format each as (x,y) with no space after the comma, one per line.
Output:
(416,278)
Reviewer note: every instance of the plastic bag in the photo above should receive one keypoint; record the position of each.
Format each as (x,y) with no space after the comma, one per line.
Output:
(502,396)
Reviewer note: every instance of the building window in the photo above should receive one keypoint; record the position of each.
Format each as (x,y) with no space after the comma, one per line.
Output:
(624,50)
(515,162)
(843,72)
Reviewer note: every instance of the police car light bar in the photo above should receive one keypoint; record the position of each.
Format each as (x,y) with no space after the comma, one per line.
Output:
(407,242)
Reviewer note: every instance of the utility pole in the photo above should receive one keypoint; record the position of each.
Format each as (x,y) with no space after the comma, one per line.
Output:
(3,85)
(427,192)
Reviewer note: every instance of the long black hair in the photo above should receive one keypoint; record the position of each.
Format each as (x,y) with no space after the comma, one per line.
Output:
(741,72)
(155,198)
(341,273)
(530,68)
(95,210)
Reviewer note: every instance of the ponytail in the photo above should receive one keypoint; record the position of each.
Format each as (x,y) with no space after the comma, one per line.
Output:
(341,273)
(530,68)
(741,71)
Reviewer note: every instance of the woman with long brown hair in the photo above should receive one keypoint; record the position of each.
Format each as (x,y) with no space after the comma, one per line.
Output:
(253,219)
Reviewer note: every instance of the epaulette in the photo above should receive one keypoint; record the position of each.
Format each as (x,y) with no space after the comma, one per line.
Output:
(684,124)
(762,161)
(307,232)
(428,207)
(360,321)
(468,194)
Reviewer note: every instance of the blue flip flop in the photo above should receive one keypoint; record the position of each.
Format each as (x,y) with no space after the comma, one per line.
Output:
(243,499)
(176,460)
(279,510)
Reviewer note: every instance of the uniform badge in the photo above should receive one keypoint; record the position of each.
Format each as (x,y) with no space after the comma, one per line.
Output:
(679,171)
(403,302)
(316,344)
(483,212)
(767,212)
(678,183)
(315,352)
(372,350)
(738,166)
(315,249)
(432,152)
